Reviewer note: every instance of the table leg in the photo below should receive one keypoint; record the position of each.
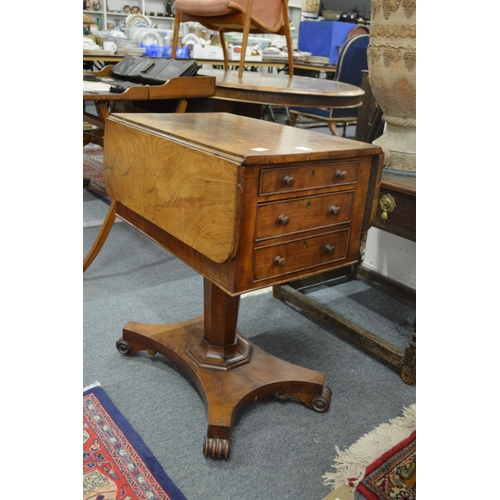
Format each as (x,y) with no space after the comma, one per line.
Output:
(229,371)
(409,363)
(101,237)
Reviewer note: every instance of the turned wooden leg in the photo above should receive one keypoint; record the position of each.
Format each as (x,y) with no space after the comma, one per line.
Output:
(181,106)
(224,50)
(333,128)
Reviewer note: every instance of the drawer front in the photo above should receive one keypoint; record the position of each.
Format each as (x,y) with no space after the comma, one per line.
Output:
(302,214)
(283,258)
(401,220)
(289,180)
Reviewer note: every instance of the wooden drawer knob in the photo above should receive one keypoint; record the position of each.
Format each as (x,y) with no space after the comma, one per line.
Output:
(341,174)
(329,249)
(279,261)
(288,181)
(283,219)
(333,210)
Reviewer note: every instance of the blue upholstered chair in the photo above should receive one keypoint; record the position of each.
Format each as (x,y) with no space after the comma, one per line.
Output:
(351,62)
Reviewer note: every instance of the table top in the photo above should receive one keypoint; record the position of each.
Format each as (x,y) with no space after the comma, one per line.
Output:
(254,142)
(280,90)
(403,183)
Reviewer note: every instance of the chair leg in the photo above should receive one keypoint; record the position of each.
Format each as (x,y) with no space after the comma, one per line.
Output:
(333,128)
(176,33)
(286,28)
(224,50)
(244,40)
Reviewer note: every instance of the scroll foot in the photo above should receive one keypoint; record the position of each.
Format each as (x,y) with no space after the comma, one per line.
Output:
(216,448)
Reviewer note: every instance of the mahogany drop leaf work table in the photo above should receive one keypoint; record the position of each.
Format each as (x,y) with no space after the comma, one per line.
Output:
(248,204)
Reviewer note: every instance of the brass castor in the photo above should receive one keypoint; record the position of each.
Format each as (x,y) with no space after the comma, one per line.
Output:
(216,448)
(322,403)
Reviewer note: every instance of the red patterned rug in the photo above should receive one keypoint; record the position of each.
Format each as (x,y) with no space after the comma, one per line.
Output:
(116,462)
(92,169)
(378,465)
(383,479)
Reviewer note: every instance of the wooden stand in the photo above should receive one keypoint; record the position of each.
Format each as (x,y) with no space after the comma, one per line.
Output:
(228,370)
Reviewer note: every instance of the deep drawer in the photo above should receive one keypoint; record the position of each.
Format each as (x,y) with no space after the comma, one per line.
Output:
(293,179)
(301,214)
(283,258)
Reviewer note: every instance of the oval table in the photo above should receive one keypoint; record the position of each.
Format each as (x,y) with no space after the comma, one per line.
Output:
(280,90)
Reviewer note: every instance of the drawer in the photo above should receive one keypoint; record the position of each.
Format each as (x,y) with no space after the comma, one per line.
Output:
(398,197)
(302,214)
(291,179)
(283,258)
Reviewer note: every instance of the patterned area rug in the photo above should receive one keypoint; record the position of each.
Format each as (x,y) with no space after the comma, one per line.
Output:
(116,462)
(372,465)
(383,480)
(92,169)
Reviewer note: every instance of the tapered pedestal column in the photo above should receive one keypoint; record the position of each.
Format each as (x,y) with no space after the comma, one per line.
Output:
(228,370)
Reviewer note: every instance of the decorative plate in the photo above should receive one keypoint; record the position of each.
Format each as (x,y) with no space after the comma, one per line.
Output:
(133,19)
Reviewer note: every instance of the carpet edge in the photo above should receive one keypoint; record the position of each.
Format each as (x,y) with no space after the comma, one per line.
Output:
(91,386)
(160,475)
(350,464)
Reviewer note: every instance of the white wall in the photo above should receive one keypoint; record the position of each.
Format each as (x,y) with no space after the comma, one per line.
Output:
(391,256)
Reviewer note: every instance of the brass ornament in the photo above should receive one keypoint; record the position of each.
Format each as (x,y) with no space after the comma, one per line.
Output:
(387,204)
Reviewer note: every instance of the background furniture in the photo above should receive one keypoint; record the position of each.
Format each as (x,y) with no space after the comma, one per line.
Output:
(247,16)
(247,204)
(369,123)
(351,63)
(247,95)
(324,38)
(156,11)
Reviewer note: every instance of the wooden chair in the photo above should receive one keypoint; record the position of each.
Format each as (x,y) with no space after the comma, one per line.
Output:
(246,16)
(350,65)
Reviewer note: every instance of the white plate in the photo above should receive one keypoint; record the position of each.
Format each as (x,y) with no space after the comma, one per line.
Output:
(151,38)
(133,19)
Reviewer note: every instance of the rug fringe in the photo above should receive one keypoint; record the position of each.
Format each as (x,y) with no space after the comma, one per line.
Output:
(91,386)
(350,464)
